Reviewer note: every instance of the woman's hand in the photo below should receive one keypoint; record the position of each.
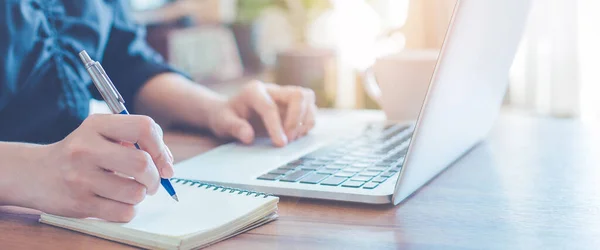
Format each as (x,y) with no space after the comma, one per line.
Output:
(92,173)
(284,112)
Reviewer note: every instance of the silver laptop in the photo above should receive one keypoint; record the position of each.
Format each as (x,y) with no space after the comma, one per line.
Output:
(349,160)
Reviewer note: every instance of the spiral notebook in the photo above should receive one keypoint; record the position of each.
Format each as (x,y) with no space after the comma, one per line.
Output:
(206,214)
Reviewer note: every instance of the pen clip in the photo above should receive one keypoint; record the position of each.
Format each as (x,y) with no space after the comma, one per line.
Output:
(110,84)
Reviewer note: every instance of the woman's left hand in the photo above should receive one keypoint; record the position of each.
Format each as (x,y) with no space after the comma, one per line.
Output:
(285,113)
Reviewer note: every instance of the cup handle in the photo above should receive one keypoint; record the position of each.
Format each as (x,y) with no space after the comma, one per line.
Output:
(370,85)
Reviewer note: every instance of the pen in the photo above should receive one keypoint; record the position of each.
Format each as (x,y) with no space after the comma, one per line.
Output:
(114,100)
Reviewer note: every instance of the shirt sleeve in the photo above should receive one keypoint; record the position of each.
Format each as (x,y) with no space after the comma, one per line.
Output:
(128,59)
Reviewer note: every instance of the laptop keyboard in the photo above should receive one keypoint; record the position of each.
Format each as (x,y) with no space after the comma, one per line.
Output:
(364,161)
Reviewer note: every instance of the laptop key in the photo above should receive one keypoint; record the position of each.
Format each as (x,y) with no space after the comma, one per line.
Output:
(299,162)
(370,185)
(279,171)
(394,158)
(296,162)
(269,177)
(383,165)
(389,125)
(388,174)
(295,176)
(366,161)
(361,178)
(379,179)
(352,170)
(289,167)
(385,150)
(345,174)
(297,168)
(311,167)
(370,173)
(388,161)
(399,155)
(377,169)
(353,184)
(395,132)
(371,160)
(335,155)
(350,157)
(403,151)
(314,178)
(390,148)
(360,154)
(306,159)
(335,167)
(361,165)
(327,171)
(324,160)
(333,181)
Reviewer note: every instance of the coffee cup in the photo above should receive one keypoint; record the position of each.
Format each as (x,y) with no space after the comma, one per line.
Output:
(399,82)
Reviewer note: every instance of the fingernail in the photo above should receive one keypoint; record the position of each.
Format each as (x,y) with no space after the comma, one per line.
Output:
(170,154)
(284,138)
(167,172)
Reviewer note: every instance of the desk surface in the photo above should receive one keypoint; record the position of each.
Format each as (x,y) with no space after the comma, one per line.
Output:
(532,185)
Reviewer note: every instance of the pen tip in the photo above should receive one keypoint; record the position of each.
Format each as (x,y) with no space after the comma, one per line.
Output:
(175,197)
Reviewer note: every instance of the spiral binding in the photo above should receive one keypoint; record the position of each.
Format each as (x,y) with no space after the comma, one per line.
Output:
(222,189)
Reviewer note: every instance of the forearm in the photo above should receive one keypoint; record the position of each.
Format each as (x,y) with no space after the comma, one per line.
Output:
(173,99)
(17,160)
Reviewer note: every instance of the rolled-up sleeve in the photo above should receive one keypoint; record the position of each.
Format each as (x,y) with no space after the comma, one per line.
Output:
(128,59)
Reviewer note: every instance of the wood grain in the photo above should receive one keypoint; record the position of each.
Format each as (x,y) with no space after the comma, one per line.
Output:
(532,185)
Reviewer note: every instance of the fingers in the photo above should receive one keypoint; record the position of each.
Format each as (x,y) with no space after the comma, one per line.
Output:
(110,210)
(114,187)
(262,103)
(296,110)
(299,118)
(170,174)
(309,120)
(135,129)
(130,162)
(236,127)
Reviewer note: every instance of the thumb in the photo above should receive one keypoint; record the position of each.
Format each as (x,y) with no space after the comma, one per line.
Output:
(238,128)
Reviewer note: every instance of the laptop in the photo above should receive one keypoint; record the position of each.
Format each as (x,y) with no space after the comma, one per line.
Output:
(345,159)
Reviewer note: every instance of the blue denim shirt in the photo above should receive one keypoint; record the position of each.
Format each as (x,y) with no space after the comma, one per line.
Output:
(44,88)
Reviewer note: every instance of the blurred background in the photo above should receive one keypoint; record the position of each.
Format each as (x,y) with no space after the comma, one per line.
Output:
(336,47)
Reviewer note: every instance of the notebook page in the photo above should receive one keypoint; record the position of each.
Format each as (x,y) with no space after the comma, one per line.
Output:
(199,209)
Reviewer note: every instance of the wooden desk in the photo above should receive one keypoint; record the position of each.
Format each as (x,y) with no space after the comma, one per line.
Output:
(532,185)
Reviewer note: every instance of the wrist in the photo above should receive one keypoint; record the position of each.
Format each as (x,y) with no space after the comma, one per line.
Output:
(19,167)
(212,113)
(172,99)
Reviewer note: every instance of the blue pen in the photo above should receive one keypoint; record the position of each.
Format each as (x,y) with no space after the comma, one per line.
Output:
(114,100)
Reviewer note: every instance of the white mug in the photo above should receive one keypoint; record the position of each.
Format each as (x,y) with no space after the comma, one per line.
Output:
(399,82)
